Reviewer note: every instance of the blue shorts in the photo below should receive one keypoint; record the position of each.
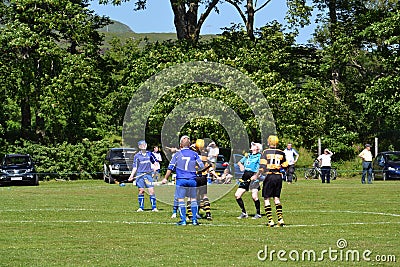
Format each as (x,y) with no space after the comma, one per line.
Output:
(185,187)
(145,181)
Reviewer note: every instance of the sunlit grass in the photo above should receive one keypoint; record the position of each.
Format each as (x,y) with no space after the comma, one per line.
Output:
(90,223)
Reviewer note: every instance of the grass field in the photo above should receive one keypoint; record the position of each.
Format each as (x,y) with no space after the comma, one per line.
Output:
(90,223)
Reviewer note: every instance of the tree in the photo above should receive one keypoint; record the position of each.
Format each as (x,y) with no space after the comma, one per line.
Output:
(187,20)
(36,38)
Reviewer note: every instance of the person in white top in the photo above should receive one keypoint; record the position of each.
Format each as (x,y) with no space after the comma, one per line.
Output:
(157,154)
(366,156)
(213,152)
(325,163)
(291,156)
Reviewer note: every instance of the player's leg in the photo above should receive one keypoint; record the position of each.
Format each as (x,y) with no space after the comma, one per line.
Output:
(141,199)
(150,186)
(254,195)
(180,193)
(193,200)
(238,195)
(267,192)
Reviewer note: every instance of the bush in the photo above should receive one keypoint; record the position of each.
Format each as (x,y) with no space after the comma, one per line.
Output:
(66,161)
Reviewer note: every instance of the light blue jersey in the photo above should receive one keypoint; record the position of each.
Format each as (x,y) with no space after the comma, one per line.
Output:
(251,163)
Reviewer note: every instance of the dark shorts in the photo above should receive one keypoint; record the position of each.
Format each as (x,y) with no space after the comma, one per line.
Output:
(272,186)
(201,183)
(245,183)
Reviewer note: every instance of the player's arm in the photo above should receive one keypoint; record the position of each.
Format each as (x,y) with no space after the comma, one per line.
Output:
(167,174)
(132,176)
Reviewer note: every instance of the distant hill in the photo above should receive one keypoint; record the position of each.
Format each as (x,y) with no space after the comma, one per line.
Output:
(123,32)
(117,27)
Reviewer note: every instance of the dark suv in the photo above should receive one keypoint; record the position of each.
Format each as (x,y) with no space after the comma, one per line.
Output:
(18,169)
(118,164)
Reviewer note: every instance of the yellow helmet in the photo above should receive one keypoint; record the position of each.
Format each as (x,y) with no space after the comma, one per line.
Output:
(273,140)
(199,144)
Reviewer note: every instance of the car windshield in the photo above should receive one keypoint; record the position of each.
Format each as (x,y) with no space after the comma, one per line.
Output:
(17,161)
(220,158)
(122,154)
(393,157)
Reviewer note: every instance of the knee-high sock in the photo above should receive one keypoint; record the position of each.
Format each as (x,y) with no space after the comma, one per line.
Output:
(153,201)
(194,207)
(257,204)
(241,204)
(175,207)
(182,210)
(268,212)
(189,210)
(279,211)
(207,206)
(141,201)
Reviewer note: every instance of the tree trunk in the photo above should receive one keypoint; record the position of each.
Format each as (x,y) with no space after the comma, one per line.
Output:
(179,9)
(25,117)
(250,20)
(187,24)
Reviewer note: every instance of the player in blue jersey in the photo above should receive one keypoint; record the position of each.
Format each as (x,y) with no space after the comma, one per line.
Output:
(142,167)
(184,163)
(250,165)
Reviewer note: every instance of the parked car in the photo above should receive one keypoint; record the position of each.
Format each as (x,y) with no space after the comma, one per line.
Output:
(118,164)
(18,169)
(386,165)
(221,165)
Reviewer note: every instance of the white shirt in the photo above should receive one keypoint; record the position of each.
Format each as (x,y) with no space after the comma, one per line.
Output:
(290,154)
(213,153)
(325,160)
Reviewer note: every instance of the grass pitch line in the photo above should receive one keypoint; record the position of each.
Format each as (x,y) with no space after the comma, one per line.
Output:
(202,224)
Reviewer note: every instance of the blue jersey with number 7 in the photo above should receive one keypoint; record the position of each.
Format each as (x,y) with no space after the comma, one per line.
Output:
(184,163)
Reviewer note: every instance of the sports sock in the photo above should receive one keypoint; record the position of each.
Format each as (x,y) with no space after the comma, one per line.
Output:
(194,208)
(279,211)
(175,207)
(189,210)
(257,204)
(153,201)
(241,204)
(268,212)
(207,206)
(141,201)
(182,210)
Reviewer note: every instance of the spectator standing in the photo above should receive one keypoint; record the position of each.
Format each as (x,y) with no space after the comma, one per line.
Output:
(325,163)
(212,153)
(157,155)
(366,157)
(291,156)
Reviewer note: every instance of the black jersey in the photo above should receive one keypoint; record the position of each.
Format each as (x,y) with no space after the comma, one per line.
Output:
(272,160)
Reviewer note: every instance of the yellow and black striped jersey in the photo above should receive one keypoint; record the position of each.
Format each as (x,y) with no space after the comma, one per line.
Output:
(272,160)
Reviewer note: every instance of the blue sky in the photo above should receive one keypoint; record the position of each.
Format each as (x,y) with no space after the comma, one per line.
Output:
(158,17)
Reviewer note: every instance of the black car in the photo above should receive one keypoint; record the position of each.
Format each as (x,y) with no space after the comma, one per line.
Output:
(118,164)
(386,165)
(221,164)
(18,169)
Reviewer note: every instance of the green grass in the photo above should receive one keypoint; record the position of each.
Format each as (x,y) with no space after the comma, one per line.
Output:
(90,223)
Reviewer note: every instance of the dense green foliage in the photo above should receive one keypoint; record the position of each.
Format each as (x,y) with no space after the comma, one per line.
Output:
(60,88)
